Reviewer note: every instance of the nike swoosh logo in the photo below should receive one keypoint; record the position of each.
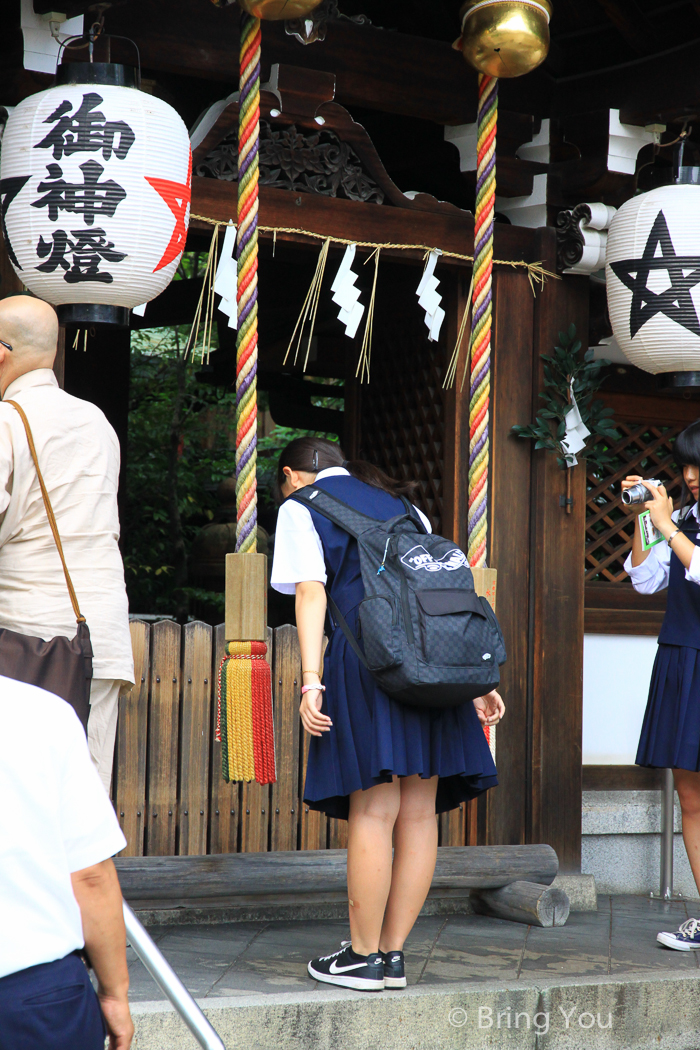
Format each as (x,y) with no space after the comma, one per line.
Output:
(333,968)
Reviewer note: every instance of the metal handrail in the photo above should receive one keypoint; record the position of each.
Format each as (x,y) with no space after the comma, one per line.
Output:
(169,983)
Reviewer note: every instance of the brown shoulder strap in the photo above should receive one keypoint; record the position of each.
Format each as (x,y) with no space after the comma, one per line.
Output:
(49,511)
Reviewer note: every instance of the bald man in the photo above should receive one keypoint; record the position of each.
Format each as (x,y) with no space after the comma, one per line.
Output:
(78,454)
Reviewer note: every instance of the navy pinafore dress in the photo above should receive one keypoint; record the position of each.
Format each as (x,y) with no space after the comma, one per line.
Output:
(670,736)
(374,737)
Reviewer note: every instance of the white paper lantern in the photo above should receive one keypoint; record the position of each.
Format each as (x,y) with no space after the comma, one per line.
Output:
(95,183)
(652,267)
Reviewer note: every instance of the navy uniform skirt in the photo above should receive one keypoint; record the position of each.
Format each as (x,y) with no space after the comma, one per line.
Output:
(670,736)
(374,738)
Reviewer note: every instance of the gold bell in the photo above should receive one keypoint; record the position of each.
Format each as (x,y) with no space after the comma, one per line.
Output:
(275,10)
(505,38)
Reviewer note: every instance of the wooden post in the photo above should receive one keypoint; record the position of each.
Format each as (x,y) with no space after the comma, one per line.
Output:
(246,598)
(503,811)
(556,595)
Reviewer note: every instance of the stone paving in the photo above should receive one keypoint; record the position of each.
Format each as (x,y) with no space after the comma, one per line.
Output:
(258,958)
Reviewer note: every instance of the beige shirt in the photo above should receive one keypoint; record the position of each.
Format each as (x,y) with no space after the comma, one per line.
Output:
(79,457)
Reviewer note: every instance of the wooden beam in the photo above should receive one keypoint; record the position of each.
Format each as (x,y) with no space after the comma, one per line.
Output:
(394,72)
(631,24)
(451,230)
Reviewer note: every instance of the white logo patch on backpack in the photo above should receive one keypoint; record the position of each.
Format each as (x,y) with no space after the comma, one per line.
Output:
(419,558)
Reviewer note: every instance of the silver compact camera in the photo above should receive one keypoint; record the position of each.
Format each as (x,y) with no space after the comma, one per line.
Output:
(639,493)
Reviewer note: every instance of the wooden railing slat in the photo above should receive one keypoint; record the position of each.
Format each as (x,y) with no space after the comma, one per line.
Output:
(130,758)
(195,727)
(284,804)
(163,726)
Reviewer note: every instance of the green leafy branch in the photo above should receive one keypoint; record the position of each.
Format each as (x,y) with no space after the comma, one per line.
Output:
(564,370)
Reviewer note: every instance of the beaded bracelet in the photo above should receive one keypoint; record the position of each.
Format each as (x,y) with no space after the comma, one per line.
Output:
(308,688)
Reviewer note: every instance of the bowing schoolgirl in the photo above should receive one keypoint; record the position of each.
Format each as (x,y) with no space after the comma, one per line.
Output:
(670,736)
(386,768)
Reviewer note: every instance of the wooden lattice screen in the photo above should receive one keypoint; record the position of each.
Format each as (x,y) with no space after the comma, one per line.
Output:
(644,450)
(403,416)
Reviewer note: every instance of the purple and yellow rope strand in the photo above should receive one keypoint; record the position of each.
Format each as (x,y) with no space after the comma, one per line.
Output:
(247,340)
(480,385)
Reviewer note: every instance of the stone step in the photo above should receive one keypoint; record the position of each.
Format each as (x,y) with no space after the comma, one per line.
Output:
(594,1013)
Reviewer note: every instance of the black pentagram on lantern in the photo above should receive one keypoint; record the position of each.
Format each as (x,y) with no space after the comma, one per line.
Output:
(683,271)
(89,198)
(86,131)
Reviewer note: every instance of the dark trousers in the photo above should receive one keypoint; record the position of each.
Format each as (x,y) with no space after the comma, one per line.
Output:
(52,1006)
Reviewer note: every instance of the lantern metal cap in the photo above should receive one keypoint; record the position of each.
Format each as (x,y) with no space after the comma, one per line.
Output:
(673,381)
(84,314)
(113,73)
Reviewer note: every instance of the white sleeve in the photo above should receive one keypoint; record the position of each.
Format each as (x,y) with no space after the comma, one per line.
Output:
(424,519)
(89,825)
(653,573)
(298,555)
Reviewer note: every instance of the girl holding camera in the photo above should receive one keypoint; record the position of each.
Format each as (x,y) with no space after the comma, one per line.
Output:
(384,767)
(670,736)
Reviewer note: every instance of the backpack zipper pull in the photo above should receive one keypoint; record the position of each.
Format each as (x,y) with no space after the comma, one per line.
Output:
(382,567)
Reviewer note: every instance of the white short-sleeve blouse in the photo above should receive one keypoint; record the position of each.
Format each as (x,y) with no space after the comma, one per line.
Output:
(298,553)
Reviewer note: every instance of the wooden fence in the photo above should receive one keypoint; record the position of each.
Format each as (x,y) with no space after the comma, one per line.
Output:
(168,791)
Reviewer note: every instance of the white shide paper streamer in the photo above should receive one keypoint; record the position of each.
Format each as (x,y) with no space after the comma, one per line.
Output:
(429,298)
(576,432)
(226,280)
(346,295)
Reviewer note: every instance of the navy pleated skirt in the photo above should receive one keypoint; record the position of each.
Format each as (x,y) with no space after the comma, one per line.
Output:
(670,734)
(374,738)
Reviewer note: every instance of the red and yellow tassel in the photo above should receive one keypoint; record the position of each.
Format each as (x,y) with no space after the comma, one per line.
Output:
(244,724)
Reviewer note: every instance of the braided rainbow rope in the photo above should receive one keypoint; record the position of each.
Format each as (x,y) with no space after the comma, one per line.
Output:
(247,340)
(480,385)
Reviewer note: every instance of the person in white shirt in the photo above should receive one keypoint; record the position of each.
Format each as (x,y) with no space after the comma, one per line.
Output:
(59,891)
(79,457)
(670,736)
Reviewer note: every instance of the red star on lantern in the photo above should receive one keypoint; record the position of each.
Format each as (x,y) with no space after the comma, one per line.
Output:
(177,196)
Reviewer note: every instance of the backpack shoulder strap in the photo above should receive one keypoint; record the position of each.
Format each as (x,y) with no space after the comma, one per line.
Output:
(341,514)
(414,515)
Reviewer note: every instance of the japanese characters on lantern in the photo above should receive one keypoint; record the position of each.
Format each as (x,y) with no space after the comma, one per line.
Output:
(95,185)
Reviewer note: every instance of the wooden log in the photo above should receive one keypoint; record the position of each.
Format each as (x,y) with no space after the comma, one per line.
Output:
(246,598)
(528,902)
(320,871)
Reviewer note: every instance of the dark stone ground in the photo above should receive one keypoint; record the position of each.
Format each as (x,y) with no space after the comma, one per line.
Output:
(269,957)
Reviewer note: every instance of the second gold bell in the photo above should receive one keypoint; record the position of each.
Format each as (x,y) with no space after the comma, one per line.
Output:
(505,38)
(275,10)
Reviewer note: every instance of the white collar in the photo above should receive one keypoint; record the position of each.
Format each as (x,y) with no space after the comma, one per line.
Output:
(332,472)
(37,377)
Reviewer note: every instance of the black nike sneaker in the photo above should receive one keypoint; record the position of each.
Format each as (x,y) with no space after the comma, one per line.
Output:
(394,970)
(344,967)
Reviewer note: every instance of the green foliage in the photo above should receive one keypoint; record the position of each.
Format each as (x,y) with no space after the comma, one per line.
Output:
(566,366)
(182,438)
(205,456)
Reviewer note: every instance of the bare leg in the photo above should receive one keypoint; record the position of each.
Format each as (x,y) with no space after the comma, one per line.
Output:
(370,827)
(415,853)
(688,788)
